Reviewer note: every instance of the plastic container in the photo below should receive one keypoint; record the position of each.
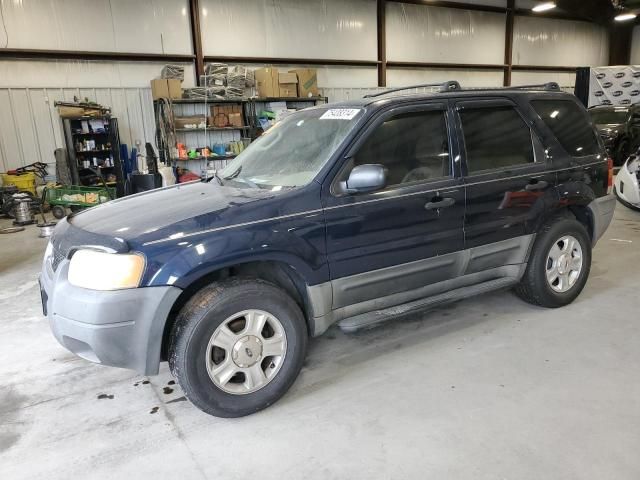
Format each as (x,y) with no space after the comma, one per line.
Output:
(25,182)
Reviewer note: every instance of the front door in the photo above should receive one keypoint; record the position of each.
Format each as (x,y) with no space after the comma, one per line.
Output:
(384,247)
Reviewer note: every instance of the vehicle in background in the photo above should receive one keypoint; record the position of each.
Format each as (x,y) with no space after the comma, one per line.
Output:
(627,183)
(350,214)
(619,128)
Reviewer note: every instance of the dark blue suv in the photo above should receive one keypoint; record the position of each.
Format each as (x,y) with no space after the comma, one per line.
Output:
(348,213)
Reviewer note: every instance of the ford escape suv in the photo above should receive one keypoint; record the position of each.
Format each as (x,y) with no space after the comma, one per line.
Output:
(346,213)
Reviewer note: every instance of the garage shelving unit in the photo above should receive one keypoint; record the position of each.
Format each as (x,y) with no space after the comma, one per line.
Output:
(167,136)
(107,156)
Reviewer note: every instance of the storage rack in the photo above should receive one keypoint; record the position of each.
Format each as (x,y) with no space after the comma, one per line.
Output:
(107,148)
(168,137)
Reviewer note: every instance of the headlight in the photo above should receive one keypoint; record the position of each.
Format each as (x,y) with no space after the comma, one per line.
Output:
(105,271)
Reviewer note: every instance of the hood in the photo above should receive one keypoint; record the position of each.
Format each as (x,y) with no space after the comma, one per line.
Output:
(174,210)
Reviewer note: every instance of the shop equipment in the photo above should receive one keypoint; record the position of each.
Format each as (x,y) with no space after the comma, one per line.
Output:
(76,198)
(22,209)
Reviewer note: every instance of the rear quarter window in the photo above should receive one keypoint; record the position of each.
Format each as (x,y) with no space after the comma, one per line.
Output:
(569,124)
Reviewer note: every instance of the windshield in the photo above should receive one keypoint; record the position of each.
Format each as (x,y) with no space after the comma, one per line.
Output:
(292,152)
(609,116)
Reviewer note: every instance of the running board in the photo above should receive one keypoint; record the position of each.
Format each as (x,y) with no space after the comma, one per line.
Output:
(370,319)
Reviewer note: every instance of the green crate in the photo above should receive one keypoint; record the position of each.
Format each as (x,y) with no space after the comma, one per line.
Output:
(79,196)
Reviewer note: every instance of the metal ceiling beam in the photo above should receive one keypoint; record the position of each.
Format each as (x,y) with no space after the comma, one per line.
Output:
(620,37)
(543,68)
(292,61)
(457,5)
(381,17)
(35,54)
(196,38)
(583,15)
(446,65)
(508,42)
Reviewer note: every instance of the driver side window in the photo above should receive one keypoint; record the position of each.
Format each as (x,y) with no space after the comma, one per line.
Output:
(412,146)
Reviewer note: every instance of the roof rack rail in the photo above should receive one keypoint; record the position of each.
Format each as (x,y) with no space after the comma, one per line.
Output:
(444,87)
(550,86)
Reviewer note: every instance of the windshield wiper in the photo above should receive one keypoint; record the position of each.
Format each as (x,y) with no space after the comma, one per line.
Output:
(234,174)
(215,174)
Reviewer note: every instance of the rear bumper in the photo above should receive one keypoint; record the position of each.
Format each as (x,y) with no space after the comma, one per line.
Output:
(120,328)
(602,213)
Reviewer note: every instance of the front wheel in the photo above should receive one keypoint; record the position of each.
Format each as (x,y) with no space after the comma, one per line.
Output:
(58,212)
(237,346)
(558,266)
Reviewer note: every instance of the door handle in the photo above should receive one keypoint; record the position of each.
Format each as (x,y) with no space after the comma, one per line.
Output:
(536,185)
(441,203)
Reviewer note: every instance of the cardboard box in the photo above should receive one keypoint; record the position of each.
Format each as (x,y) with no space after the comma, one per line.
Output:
(267,82)
(307,82)
(288,84)
(226,109)
(235,119)
(166,88)
(226,116)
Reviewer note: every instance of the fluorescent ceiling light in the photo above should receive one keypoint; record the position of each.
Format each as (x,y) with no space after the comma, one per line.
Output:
(543,7)
(624,17)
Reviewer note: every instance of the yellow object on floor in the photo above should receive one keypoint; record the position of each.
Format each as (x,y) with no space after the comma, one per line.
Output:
(25,182)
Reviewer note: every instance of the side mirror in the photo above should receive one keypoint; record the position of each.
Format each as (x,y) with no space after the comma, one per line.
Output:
(365,178)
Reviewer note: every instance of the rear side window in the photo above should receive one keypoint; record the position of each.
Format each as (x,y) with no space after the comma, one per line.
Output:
(495,137)
(569,124)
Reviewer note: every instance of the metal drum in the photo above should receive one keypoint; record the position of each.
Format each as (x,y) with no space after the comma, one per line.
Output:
(22,209)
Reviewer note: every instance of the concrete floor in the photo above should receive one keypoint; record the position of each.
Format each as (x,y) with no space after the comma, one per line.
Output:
(487,388)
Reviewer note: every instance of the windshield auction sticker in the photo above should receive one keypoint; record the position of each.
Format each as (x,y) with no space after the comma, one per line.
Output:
(340,114)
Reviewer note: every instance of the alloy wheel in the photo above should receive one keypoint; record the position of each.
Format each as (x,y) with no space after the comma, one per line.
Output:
(564,263)
(246,352)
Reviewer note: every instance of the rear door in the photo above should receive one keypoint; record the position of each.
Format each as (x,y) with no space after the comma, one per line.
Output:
(506,180)
(392,242)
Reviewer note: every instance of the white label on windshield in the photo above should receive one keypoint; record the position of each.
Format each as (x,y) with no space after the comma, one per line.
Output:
(340,114)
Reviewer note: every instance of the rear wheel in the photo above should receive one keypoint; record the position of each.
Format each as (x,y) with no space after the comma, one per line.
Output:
(558,266)
(237,346)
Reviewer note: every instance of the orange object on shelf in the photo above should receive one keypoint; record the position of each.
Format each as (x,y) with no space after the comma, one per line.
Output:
(182,150)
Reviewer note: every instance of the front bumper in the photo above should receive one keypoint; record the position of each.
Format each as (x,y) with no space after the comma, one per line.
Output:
(601,209)
(121,328)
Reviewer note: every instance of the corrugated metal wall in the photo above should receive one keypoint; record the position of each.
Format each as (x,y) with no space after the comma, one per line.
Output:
(30,128)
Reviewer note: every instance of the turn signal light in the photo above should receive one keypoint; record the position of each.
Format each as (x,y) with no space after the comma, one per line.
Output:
(610,175)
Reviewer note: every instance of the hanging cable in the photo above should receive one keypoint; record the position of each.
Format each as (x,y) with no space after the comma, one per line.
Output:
(4,25)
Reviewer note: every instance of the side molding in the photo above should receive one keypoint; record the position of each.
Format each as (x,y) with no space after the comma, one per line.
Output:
(359,294)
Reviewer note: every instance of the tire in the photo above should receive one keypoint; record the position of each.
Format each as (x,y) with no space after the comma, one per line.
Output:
(534,287)
(58,212)
(192,349)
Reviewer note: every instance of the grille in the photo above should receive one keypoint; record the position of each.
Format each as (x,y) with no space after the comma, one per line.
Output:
(58,256)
